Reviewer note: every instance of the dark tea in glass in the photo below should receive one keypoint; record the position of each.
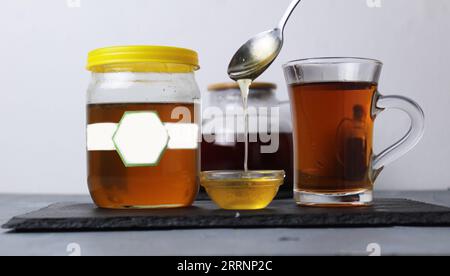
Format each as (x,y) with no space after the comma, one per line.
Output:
(336,156)
(334,105)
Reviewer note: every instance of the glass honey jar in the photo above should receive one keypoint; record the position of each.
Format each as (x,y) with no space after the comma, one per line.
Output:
(143,127)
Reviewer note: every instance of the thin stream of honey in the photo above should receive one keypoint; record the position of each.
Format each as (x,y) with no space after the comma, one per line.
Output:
(245,90)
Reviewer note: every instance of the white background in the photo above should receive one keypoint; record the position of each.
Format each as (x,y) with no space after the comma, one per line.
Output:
(44,46)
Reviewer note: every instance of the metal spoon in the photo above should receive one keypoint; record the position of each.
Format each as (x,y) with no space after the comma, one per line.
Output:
(255,56)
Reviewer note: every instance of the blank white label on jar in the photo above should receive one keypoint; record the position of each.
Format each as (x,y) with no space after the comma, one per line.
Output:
(181,136)
(99,137)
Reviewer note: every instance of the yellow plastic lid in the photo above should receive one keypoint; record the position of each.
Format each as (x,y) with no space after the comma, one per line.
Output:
(143,59)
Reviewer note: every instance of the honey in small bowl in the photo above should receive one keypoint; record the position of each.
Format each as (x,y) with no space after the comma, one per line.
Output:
(240,190)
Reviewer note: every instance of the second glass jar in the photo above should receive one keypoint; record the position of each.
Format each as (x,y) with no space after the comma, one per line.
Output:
(271,142)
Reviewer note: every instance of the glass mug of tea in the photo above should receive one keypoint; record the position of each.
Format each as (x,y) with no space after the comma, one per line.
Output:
(334,104)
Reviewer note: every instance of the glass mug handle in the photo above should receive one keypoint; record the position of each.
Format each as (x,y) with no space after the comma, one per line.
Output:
(412,137)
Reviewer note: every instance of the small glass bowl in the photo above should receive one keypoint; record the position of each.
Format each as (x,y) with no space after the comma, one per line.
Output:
(239,190)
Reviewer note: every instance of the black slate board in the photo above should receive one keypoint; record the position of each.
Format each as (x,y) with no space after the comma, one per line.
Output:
(281,214)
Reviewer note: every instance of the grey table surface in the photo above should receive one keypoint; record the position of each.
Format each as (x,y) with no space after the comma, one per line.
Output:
(211,242)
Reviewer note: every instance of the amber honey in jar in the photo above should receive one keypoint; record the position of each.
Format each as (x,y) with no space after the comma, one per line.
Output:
(143,127)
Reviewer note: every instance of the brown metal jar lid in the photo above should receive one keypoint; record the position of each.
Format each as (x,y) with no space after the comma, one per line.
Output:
(233,85)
